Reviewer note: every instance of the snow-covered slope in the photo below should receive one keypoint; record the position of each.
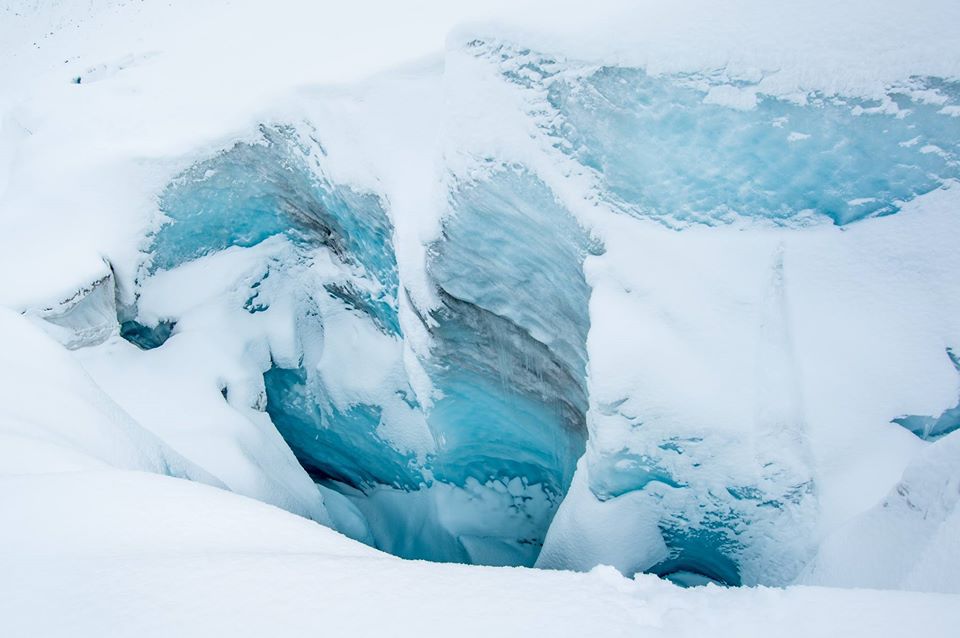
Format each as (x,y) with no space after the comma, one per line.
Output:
(666,288)
(133,554)
(56,419)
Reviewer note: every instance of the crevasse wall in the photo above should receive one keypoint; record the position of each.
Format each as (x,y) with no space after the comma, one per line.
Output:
(506,424)
(633,260)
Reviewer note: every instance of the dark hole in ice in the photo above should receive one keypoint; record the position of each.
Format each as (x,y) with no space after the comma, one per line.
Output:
(147,337)
(695,570)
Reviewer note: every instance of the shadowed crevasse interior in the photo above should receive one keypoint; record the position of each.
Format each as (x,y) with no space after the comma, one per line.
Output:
(508,354)
(508,419)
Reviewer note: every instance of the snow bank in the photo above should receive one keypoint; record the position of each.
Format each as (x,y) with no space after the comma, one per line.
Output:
(56,419)
(909,539)
(197,561)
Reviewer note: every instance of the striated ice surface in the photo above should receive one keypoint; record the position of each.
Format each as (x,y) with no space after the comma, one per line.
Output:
(510,339)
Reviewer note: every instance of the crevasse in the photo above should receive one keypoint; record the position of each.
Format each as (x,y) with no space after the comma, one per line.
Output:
(508,354)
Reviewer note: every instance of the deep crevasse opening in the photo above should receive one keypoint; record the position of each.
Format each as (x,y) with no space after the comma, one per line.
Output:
(476,469)
(506,422)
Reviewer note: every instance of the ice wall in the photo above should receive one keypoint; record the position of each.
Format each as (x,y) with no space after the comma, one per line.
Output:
(711,150)
(931,428)
(661,307)
(703,444)
(504,424)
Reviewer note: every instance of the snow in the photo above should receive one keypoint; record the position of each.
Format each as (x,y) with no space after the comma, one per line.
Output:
(865,318)
(908,540)
(198,561)
(56,419)
(788,49)
(665,288)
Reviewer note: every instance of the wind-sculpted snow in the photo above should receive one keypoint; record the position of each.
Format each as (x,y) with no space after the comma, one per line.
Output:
(67,424)
(909,538)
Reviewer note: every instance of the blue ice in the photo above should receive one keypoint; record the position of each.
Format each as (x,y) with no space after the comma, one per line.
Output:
(660,151)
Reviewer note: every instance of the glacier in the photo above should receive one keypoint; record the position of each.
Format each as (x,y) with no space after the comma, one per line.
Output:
(508,421)
(457,433)
(657,304)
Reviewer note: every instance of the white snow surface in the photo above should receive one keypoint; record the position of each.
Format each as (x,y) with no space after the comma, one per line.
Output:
(137,502)
(134,554)
(909,539)
(56,419)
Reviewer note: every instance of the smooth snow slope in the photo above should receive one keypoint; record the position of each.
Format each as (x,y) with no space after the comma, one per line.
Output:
(133,554)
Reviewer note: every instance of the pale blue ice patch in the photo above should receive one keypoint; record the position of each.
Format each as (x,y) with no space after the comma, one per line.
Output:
(662,151)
